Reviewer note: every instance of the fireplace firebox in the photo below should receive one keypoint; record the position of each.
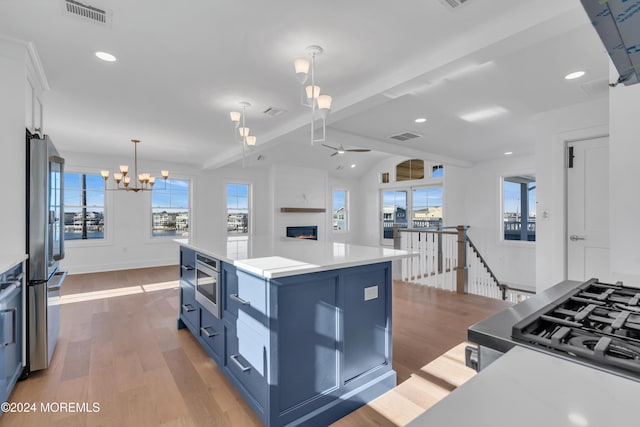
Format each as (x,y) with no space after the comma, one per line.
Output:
(303,232)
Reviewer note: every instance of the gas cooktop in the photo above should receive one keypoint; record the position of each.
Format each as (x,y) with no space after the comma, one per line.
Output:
(596,323)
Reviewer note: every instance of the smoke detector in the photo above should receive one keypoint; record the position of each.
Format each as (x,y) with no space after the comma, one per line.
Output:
(87,12)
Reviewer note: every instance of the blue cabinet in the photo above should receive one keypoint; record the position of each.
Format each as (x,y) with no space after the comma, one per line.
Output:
(11,330)
(305,349)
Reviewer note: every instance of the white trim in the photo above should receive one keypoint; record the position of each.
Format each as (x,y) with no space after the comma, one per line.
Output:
(99,268)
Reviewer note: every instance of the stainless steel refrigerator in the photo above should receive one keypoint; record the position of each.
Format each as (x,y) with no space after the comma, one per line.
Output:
(45,246)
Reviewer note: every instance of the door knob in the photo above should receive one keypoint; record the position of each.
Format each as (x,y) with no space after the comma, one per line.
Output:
(575,238)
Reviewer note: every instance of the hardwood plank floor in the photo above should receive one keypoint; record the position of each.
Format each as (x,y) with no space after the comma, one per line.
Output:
(119,347)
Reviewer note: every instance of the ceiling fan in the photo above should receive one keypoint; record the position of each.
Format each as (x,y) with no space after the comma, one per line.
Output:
(342,150)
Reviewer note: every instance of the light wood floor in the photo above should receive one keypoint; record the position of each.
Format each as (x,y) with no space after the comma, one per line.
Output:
(119,347)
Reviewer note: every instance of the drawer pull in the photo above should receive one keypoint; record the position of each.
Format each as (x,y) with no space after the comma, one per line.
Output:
(235,297)
(205,331)
(188,308)
(234,357)
(187,267)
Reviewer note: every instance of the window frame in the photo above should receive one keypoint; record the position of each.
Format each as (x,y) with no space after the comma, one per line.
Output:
(346,210)
(162,239)
(107,203)
(501,207)
(250,209)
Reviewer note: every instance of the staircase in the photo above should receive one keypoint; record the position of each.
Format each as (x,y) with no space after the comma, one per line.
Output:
(448,259)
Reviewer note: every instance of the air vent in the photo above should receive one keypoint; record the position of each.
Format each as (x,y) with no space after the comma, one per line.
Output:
(87,12)
(274,112)
(454,4)
(405,136)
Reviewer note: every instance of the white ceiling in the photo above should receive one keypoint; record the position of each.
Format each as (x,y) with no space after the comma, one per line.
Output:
(182,66)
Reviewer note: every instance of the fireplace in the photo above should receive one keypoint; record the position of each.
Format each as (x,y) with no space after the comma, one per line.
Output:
(303,232)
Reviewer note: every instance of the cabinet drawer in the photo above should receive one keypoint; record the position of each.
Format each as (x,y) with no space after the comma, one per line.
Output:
(245,293)
(188,264)
(188,306)
(211,331)
(241,351)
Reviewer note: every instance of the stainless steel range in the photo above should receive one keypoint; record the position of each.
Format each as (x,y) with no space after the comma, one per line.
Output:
(596,323)
(592,323)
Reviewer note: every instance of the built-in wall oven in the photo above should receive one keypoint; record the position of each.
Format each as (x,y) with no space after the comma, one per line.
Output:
(208,283)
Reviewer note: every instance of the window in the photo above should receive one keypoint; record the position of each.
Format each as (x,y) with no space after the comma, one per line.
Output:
(83,206)
(340,210)
(426,207)
(519,208)
(170,209)
(238,208)
(410,169)
(437,171)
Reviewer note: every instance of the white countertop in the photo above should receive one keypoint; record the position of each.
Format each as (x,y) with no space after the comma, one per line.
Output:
(272,258)
(8,260)
(526,388)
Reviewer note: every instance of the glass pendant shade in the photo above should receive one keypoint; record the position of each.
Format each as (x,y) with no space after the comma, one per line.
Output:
(312,91)
(235,116)
(324,102)
(243,131)
(251,140)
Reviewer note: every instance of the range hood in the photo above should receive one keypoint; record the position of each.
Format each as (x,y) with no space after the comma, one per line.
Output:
(618,25)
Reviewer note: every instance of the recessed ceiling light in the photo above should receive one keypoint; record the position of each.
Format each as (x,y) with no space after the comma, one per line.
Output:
(487,113)
(106,56)
(420,120)
(508,153)
(574,75)
(353,165)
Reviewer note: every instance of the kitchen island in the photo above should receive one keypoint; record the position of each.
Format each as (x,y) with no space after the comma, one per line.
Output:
(301,328)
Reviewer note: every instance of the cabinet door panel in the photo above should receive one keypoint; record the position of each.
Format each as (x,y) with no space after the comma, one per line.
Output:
(365,319)
(307,339)
(188,307)
(188,265)
(211,331)
(245,372)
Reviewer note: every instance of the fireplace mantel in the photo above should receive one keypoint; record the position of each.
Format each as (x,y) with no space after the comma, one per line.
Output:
(302,210)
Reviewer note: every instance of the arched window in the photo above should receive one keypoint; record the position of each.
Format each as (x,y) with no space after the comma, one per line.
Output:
(410,169)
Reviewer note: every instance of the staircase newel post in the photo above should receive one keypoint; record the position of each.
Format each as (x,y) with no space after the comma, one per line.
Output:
(462,277)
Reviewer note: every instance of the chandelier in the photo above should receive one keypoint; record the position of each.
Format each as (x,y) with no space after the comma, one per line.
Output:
(144,182)
(310,93)
(238,119)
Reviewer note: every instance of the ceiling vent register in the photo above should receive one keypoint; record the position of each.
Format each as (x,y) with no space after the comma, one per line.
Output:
(405,136)
(86,12)
(274,111)
(454,4)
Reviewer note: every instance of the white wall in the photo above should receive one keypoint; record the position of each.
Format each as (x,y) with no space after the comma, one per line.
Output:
(554,128)
(512,262)
(12,139)
(624,196)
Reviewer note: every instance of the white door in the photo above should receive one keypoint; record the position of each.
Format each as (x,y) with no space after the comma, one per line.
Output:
(588,210)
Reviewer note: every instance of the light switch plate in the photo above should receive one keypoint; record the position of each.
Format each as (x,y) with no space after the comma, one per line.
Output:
(371,293)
